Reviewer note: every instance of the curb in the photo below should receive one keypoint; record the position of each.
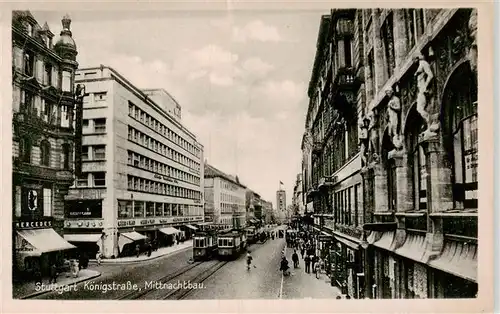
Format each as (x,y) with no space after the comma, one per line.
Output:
(109,262)
(35,294)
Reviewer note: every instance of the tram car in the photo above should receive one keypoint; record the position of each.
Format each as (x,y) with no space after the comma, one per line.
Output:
(204,245)
(231,244)
(251,235)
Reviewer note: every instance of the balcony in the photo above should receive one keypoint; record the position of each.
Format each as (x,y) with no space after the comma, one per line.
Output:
(327,181)
(346,79)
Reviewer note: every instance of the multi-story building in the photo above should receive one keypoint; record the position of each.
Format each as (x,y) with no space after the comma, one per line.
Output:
(226,197)
(253,207)
(280,212)
(267,212)
(409,75)
(43,102)
(297,199)
(142,174)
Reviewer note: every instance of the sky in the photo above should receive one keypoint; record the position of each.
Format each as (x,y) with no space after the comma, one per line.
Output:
(240,77)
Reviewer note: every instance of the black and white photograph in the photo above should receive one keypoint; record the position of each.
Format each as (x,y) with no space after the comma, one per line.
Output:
(329,153)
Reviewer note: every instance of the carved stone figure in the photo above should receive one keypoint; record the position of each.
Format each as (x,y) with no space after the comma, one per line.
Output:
(363,138)
(424,76)
(80,91)
(394,114)
(373,133)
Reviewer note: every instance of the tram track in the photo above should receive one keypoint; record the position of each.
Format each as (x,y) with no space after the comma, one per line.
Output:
(136,294)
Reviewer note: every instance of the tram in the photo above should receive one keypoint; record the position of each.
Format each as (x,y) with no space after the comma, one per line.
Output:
(251,235)
(204,245)
(231,243)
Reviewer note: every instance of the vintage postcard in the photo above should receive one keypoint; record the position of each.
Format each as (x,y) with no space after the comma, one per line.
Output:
(247,157)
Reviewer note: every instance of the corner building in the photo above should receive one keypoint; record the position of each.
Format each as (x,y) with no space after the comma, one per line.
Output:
(43,137)
(417,123)
(142,178)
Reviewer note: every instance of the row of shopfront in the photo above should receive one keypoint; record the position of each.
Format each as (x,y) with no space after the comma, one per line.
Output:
(392,264)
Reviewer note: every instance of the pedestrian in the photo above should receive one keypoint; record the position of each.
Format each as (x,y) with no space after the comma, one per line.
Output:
(37,274)
(137,250)
(284,266)
(75,268)
(307,261)
(295,259)
(317,269)
(302,251)
(53,273)
(314,260)
(150,249)
(98,257)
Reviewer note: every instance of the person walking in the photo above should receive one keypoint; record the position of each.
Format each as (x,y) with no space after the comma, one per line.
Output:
(314,260)
(53,273)
(98,258)
(317,269)
(307,261)
(295,259)
(138,250)
(284,266)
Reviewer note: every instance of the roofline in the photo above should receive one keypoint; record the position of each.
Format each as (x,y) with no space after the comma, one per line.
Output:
(223,176)
(146,98)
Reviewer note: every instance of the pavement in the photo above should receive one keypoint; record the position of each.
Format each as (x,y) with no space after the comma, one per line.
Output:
(64,282)
(134,269)
(154,255)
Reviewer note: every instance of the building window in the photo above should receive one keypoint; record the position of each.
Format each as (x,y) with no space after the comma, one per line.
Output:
(125,209)
(29,62)
(100,125)
(388,39)
(159,209)
(83,180)
(25,149)
(150,209)
(28,106)
(418,161)
(392,185)
(66,81)
(371,76)
(99,152)
(138,209)
(47,202)
(45,153)
(66,149)
(47,111)
(29,29)
(99,97)
(85,152)
(47,79)
(65,116)
(415,25)
(99,178)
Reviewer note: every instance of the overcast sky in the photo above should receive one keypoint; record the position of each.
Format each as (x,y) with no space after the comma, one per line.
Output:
(240,77)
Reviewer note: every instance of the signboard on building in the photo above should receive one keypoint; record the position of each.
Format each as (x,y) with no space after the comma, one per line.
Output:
(154,221)
(33,224)
(157,176)
(83,209)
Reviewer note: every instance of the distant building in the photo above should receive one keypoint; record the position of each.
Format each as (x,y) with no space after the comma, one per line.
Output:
(142,175)
(281,209)
(267,212)
(224,198)
(43,139)
(297,199)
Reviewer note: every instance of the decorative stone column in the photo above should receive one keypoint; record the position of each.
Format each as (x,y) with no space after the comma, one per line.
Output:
(439,193)
(380,194)
(472,55)
(378,48)
(400,38)
(403,193)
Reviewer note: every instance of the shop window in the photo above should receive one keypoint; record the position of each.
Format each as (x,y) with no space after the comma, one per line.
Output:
(125,209)
(159,209)
(150,209)
(167,210)
(99,179)
(138,209)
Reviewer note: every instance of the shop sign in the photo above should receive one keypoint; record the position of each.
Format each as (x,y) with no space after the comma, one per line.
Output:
(126,223)
(157,176)
(33,224)
(94,223)
(148,221)
(325,238)
(23,246)
(90,208)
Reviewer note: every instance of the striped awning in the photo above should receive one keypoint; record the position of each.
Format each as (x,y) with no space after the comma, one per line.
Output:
(134,236)
(42,241)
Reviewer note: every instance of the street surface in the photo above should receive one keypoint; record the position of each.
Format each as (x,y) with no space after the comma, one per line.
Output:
(231,281)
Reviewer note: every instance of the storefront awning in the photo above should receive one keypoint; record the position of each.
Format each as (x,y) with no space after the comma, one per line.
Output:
(169,230)
(459,259)
(413,247)
(192,227)
(93,238)
(351,244)
(134,236)
(44,241)
(385,241)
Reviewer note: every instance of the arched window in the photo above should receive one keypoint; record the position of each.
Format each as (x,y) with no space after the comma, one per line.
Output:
(460,124)
(417,160)
(45,153)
